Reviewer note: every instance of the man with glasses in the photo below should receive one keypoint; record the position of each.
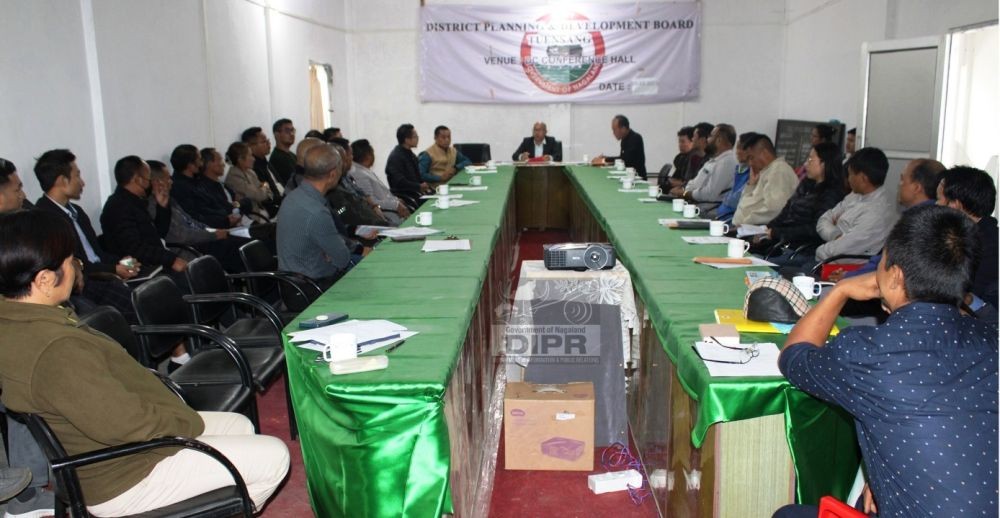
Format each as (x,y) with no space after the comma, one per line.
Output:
(282,159)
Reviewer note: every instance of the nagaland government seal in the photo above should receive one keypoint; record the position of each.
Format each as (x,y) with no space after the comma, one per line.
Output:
(563,57)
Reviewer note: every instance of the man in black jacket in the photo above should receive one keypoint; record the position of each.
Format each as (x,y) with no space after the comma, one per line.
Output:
(105,273)
(633,151)
(538,145)
(128,227)
(402,170)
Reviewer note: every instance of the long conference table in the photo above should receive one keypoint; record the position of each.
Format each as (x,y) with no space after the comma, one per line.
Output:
(420,437)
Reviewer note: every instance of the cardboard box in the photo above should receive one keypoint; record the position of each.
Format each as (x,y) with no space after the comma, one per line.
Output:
(549,427)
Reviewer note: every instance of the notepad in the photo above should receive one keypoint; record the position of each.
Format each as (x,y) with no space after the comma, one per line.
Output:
(462,203)
(716,358)
(726,262)
(750,230)
(743,325)
(705,240)
(446,245)
(471,188)
(409,232)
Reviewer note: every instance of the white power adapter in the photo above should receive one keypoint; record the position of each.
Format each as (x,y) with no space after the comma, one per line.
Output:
(614,481)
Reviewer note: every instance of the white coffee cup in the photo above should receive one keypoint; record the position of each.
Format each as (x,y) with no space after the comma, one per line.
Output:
(425,219)
(807,285)
(654,191)
(678,205)
(718,228)
(737,248)
(691,211)
(442,189)
(491,164)
(619,165)
(627,183)
(341,346)
(443,202)
(586,159)
(475,180)
(630,172)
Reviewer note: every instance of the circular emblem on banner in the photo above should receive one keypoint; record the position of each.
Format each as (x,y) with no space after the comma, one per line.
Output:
(562,61)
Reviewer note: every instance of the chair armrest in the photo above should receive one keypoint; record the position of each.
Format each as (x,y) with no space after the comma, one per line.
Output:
(240,298)
(213,335)
(291,279)
(114,452)
(171,385)
(775,248)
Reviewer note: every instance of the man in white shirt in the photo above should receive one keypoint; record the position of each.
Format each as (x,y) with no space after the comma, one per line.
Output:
(715,177)
(772,181)
(860,223)
(393,209)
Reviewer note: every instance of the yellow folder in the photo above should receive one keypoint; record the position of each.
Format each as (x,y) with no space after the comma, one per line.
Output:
(735,317)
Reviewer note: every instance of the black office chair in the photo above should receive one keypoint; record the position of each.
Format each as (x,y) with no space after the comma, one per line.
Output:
(225,501)
(218,395)
(289,292)
(214,300)
(159,305)
(478,153)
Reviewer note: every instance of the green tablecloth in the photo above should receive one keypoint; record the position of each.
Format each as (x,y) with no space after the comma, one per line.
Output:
(680,294)
(376,444)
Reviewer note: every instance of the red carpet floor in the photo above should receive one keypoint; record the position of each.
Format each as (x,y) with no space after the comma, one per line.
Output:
(515,493)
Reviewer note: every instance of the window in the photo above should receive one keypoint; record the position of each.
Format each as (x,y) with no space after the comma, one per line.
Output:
(971,127)
(320,88)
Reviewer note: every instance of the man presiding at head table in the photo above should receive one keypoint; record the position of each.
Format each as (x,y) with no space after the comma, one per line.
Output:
(633,151)
(538,145)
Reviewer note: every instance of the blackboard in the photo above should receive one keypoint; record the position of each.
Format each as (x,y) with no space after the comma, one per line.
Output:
(793,139)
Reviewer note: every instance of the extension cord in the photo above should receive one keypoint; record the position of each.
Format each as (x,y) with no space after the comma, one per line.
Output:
(614,481)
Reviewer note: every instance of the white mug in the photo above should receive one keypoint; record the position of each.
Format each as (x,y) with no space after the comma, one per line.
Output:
(678,204)
(737,247)
(425,219)
(475,180)
(443,202)
(718,228)
(807,285)
(630,171)
(442,189)
(619,165)
(627,183)
(654,191)
(691,211)
(342,346)
(490,164)
(586,159)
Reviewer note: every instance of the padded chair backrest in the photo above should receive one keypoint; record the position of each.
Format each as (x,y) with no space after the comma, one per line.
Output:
(206,275)
(159,301)
(258,258)
(477,152)
(108,320)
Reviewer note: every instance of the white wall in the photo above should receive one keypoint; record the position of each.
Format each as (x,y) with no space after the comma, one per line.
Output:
(739,89)
(823,46)
(107,78)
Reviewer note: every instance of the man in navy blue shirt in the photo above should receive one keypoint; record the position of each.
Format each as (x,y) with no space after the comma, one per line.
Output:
(922,387)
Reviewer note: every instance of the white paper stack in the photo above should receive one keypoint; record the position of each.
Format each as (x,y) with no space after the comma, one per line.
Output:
(446,245)
(715,357)
(370,334)
(409,232)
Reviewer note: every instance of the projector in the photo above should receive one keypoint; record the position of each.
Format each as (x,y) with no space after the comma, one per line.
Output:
(579,256)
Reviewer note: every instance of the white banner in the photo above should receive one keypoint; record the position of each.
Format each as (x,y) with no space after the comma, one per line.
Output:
(586,53)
